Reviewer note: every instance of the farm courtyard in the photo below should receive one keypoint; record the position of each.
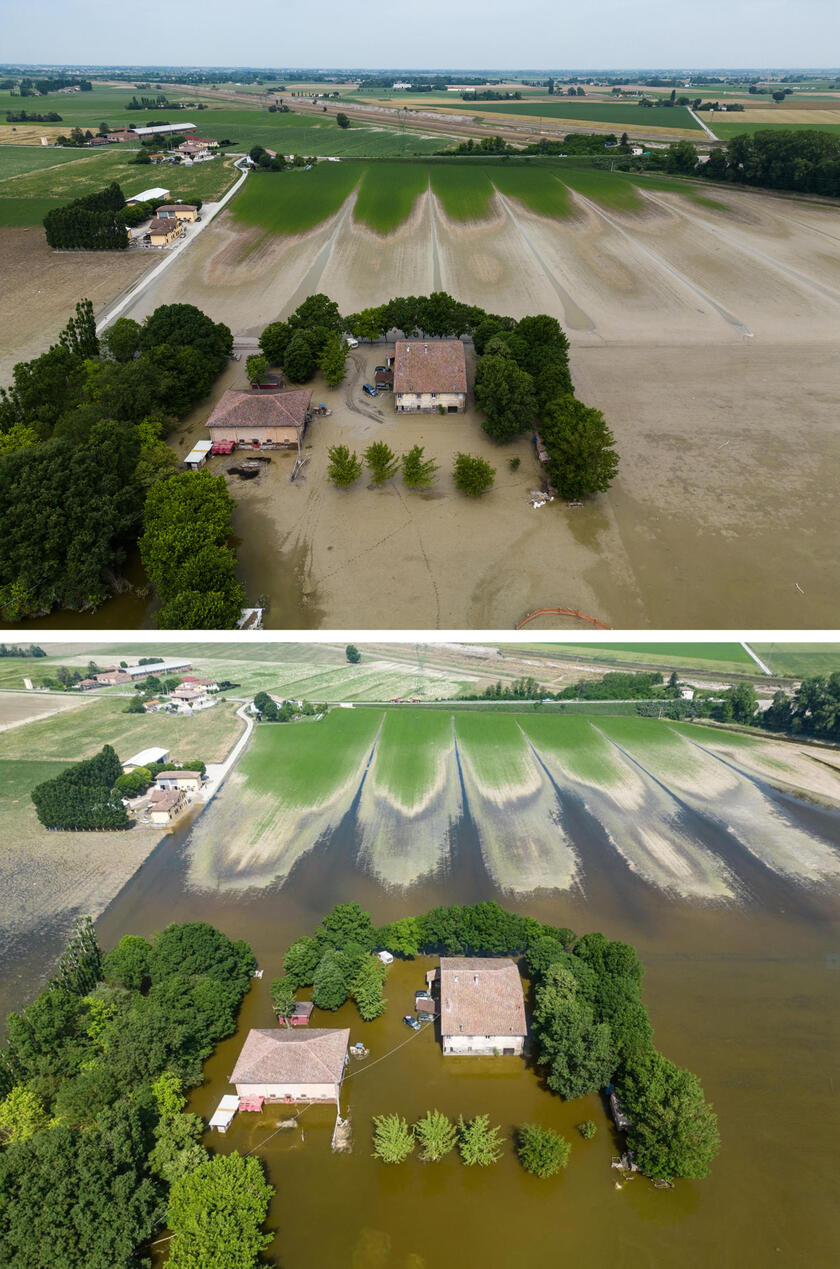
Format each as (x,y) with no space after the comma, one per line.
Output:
(706,329)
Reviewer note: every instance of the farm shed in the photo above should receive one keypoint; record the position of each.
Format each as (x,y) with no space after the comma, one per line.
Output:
(482,1006)
(301,1013)
(261,419)
(292,1064)
(198,455)
(162,129)
(145,758)
(430,375)
(149,195)
(224,1112)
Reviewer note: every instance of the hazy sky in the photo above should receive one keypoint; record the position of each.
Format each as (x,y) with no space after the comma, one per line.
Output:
(431,33)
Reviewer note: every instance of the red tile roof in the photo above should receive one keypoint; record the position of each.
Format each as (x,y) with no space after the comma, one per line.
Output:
(481,996)
(288,1056)
(245,409)
(429,365)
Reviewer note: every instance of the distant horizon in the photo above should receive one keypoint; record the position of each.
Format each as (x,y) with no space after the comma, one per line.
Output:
(334,35)
(627,71)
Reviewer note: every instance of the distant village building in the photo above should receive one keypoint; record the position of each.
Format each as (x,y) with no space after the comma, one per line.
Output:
(163,232)
(291,1064)
(180,211)
(109,678)
(188,781)
(482,1006)
(430,375)
(191,697)
(145,758)
(261,419)
(166,805)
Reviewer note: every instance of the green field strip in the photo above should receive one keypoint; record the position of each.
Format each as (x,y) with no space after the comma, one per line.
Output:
(22,213)
(608,189)
(79,733)
(388,193)
(725,131)
(465,192)
(799,660)
(611,117)
(496,749)
(302,764)
(713,656)
(18,777)
(409,752)
(575,744)
(293,202)
(536,188)
(665,185)
(18,160)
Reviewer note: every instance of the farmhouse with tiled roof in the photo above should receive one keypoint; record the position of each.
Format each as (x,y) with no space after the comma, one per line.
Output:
(430,375)
(295,1064)
(482,1007)
(260,418)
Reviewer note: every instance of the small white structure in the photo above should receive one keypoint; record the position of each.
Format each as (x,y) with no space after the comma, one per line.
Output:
(482,1006)
(162,129)
(224,1112)
(385,957)
(687,693)
(148,195)
(145,758)
(198,455)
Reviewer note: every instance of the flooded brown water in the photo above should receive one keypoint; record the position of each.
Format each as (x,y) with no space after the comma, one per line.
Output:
(746,997)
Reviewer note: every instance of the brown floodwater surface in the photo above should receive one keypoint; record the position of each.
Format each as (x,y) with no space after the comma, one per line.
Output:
(747,997)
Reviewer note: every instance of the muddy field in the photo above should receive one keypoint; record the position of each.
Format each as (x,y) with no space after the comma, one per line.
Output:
(39,289)
(708,336)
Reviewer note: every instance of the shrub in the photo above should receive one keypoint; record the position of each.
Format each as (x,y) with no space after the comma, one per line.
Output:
(436,1134)
(393,1139)
(418,472)
(542,1151)
(587,1129)
(478,1143)
(344,467)
(473,476)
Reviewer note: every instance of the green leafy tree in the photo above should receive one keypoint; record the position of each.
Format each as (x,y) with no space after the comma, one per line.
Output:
(133,783)
(347,924)
(283,997)
(403,936)
(587,1129)
(478,1143)
(342,120)
(436,1136)
(329,985)
(344,468)
(418,472)
(581,448)
(541,1151)
(128,964)
(576,1048)
(301,961)
(473,476)
(393,1139)
(381,461)
(122,340)
(300,359)
(22,1114)
(333,361)
(216,1213)
(680,158)
(506,395)
(352,654)
(256,366)
(367,988)
(673,1130)
(177,1150)
(275,340)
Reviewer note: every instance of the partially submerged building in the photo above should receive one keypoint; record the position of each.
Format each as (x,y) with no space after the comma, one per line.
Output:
(166,805)
(430,376)
(261,419)
(291,1064)
(482,1006)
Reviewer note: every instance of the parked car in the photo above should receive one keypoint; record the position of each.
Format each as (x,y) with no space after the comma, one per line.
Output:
(384,370)
(411,1021)
(350,342)
(369,390)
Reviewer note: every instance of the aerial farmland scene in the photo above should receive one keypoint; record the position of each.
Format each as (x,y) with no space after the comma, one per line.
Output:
(637,271)
(533,931)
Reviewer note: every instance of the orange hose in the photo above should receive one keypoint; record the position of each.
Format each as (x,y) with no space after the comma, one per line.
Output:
(566,612)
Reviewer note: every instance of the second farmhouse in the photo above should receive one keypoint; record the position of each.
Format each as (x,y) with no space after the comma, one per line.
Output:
(430,376)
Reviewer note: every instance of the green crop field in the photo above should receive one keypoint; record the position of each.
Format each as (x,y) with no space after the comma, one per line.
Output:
(79,733)
(729,128)
(799,659)
(388,193)
(408,753)
(607,188)
(18,160)
(495,746)
(611,117)
(465,192)
(27,196)
(576,744)
(537,188)
(292,202)
(304,763)
(694,656)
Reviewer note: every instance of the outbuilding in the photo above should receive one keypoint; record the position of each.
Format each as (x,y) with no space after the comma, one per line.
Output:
(146,758)
(180,211)
(149,195)
(261,419)
(190,781)
(482,1006)
(292,1064)
(198,455)
(430,376)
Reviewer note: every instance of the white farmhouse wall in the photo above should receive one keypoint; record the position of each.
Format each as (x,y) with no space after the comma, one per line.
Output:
(298,1092)
(486,1044)
(428,402)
